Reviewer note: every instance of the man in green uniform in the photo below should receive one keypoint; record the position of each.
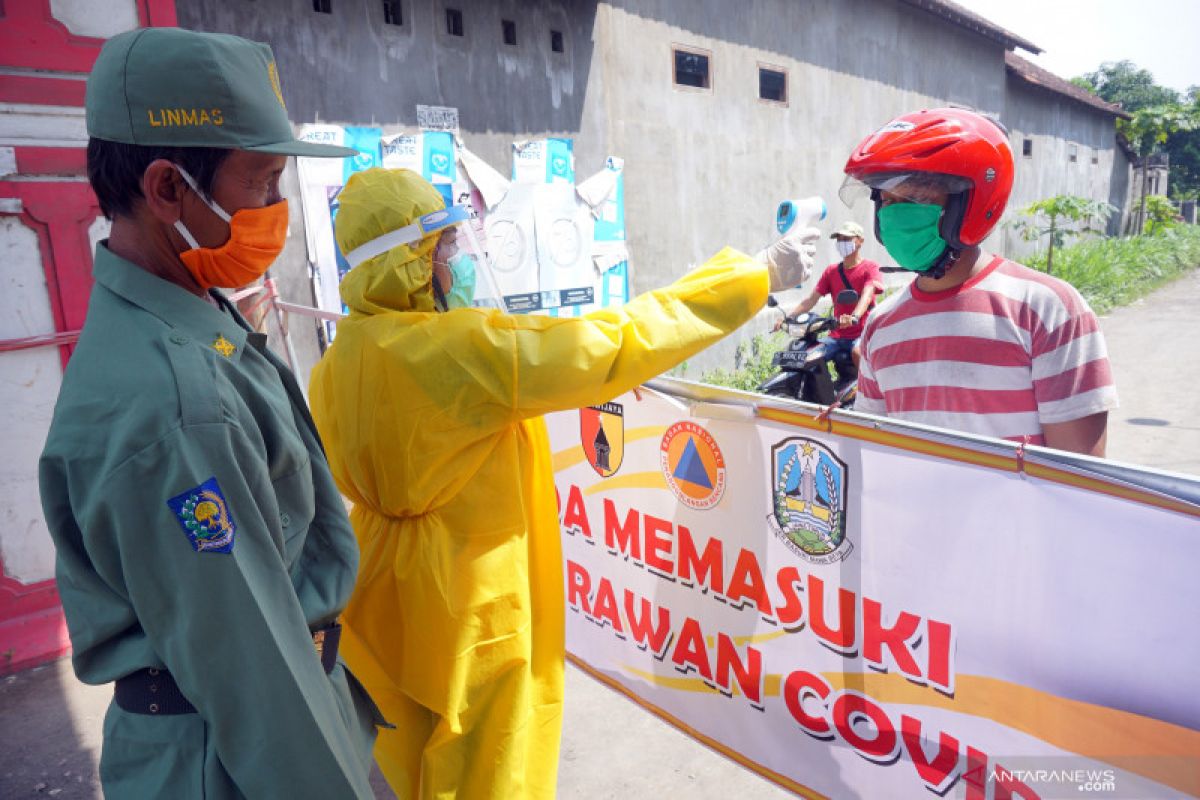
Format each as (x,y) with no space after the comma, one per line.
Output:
(204,553)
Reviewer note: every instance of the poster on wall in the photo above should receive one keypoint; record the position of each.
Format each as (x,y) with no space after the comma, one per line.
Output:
(564,243)
(544,161)
(555,248)
(321,180)
(512,248)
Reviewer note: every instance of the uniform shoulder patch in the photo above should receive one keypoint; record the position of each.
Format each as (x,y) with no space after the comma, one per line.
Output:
(205,517)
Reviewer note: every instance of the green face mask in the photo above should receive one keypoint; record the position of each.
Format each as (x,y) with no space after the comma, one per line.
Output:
(462,271)
(910,234)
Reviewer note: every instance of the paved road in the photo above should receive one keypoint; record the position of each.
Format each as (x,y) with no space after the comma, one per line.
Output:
(611,748)
(1154,346)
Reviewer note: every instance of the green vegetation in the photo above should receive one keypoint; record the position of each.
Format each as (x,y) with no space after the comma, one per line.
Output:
(1060,217)
(751,363)
(1113,272)
(1163,120)
(1160,214)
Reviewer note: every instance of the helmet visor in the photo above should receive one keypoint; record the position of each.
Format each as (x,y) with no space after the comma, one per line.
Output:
(902,187)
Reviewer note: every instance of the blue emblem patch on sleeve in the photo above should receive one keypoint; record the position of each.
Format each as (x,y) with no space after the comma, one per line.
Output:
(204,516)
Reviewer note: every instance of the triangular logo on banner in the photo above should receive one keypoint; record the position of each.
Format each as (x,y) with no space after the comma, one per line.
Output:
(691,468)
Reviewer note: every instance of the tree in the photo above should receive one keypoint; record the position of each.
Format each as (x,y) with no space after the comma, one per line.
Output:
(1150,128)
(1184,147)
(1122,82)
(1059,217)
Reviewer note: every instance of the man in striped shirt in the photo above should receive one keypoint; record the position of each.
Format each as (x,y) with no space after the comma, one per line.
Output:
(976,343)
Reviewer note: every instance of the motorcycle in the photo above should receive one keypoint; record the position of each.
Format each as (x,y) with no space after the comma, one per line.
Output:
(803,365)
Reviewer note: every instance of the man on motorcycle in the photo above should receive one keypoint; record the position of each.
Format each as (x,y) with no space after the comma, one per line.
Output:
(977,342)
(853,274)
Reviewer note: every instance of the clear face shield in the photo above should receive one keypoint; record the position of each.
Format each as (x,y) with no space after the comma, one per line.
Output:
(463,275)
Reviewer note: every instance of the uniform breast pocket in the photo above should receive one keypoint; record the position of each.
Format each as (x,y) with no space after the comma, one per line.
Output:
(294,496)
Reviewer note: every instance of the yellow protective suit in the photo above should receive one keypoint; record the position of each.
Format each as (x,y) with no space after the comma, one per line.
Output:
(432,426)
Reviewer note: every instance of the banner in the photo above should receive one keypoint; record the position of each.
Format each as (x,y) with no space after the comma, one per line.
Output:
(856,611)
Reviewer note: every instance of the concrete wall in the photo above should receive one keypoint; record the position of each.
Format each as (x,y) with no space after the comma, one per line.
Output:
(1057,126)
(349,67)
(1120,190)
(706,169)
(703,168)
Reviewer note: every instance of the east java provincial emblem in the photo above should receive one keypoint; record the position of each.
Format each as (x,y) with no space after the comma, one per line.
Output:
(808,494)
(204,516)
(602,434)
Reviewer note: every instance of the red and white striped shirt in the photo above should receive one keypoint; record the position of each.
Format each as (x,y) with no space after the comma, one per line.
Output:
(999,355)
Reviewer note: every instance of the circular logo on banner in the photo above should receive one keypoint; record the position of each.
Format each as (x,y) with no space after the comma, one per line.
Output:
(693,465)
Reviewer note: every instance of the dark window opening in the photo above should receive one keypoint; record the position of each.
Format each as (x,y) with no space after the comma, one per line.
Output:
(691,69)
(1073,153)
(1027,147)
(323,6)
(510,31)
(1095,157)
(454,22)
(772,85)
(392,14)
(556,41)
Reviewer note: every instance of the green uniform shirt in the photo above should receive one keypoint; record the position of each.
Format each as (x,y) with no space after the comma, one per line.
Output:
(198,529)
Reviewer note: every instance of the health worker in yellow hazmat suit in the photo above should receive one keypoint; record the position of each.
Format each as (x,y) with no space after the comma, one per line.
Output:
(432,423)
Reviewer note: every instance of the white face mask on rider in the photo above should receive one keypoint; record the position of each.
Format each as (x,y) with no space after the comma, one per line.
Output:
(845,247)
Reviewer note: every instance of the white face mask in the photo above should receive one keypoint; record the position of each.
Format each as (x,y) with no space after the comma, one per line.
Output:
(845,247)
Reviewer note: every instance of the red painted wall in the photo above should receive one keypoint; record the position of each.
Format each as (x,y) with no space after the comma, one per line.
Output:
(32,629)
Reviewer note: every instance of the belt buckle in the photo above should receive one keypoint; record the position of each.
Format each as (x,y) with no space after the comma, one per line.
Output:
(319,642)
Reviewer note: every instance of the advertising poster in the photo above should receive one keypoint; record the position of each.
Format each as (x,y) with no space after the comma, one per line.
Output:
(553,250)
(544,161)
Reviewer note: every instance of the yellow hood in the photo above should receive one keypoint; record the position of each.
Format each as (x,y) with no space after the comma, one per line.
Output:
(373,203)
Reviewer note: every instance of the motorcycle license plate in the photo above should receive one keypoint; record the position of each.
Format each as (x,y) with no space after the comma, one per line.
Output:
(789,358)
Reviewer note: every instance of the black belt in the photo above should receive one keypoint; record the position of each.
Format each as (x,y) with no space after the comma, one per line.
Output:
(154,691)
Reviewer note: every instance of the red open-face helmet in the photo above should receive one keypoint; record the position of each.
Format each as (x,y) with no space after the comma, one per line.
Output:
(964,154)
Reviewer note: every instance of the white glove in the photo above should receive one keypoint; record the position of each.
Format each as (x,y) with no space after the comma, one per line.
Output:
(790,260)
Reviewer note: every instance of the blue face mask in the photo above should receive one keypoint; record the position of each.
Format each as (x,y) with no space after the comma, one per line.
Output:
(462,272)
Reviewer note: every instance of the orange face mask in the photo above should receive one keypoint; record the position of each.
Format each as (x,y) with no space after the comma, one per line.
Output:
(256,237)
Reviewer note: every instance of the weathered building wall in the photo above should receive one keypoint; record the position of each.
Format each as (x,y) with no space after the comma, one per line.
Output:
(704,168)
(1073,151)
(351,67)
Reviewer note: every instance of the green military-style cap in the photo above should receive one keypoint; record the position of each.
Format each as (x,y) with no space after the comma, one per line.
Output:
(176,88)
